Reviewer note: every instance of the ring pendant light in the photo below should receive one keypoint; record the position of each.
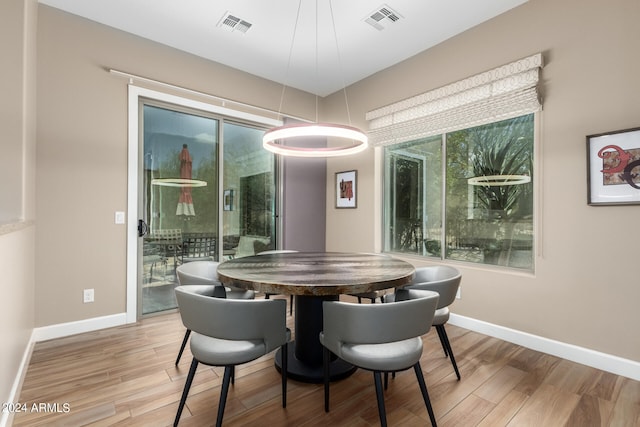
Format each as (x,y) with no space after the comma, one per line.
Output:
(178,182)
(274,140)
(499,180)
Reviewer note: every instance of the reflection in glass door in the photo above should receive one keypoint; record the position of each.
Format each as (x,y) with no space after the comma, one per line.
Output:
(405,222)
(179,197)
(249,215)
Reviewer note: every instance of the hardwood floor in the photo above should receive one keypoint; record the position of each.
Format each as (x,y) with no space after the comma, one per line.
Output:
(126,376)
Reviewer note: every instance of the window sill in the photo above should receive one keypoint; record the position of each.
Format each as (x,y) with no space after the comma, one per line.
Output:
(12,227)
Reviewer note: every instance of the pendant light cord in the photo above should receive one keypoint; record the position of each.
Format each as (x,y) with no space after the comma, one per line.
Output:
(317,74)
(344,86)
(286,76)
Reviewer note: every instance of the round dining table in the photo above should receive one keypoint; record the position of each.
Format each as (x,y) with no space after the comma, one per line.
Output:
(314,277)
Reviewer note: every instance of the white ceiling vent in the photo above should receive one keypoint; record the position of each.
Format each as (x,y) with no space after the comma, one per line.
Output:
(230,22)
(381,17)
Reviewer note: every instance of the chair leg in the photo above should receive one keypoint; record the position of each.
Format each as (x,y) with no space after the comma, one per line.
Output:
(444,346)
(377,379)
(283,371)
(326,355)
(425,394)
(185,392)
(446,341)
(228,372)
(184,343)
(233,375)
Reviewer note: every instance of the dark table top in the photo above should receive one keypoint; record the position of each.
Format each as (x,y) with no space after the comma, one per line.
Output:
(316,273)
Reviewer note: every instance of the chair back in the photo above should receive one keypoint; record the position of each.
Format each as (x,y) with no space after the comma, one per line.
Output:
(230,319)
(198,273)
(198,247)
(378,323)
(171,238)
(442,279)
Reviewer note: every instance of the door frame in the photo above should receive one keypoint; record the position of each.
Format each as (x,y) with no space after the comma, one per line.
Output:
(135,94)
(421,161)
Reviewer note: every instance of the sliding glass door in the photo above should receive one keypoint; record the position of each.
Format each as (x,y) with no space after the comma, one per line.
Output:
(179,197)
(186,155)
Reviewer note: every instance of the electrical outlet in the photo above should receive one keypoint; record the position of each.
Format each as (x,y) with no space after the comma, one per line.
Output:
(458,293)
(88,295)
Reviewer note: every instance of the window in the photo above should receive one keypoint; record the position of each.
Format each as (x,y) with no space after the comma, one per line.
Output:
(459,167)
(465,195)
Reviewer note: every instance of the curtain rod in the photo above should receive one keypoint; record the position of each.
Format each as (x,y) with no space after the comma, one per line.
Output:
(133,77)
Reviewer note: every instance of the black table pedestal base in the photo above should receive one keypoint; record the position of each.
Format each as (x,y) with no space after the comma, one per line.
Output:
(300,371)
(305,354)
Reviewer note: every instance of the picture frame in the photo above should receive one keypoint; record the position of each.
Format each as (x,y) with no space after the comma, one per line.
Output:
(613,168)
(346,189)
(228,200)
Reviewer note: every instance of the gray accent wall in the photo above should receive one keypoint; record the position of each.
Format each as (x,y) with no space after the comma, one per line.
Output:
(304,202)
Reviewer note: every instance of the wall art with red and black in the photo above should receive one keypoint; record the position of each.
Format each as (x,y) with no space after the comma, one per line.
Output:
(613,167)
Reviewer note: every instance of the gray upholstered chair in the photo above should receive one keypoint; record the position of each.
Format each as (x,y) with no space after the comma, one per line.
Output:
(206,273)
(203,274)
(230,332)
(280,251)
(380,338)
(444,280)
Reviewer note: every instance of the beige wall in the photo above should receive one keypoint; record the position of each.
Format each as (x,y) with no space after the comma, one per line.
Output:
(82,152)
(586,288)
(17,171)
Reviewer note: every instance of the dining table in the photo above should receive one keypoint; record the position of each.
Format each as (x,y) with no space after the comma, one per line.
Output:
(314,277)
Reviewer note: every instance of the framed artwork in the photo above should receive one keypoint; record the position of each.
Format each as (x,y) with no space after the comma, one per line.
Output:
(346,189)
(228,200)
(613,168)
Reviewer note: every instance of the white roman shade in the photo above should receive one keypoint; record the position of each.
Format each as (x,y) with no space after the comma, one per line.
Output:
(504,92)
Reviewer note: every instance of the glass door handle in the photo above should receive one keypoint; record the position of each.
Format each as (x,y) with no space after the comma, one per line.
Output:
(143,228)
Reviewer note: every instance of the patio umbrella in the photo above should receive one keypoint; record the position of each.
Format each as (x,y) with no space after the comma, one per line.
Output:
(185,202)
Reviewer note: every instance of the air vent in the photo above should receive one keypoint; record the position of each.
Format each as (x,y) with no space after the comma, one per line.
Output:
(232,23)
(382,16)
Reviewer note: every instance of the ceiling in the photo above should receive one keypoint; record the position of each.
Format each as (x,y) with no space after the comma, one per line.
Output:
(364,36)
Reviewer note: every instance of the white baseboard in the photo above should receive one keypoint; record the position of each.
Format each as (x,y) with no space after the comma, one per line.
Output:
(78,327)
(6,419)
(51,332)
(595,359)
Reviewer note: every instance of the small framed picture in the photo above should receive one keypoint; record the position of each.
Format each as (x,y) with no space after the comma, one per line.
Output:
(228,200)
(346,189)
(613,168)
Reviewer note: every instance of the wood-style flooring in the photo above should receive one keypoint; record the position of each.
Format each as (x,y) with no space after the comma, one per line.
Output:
(125,376)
